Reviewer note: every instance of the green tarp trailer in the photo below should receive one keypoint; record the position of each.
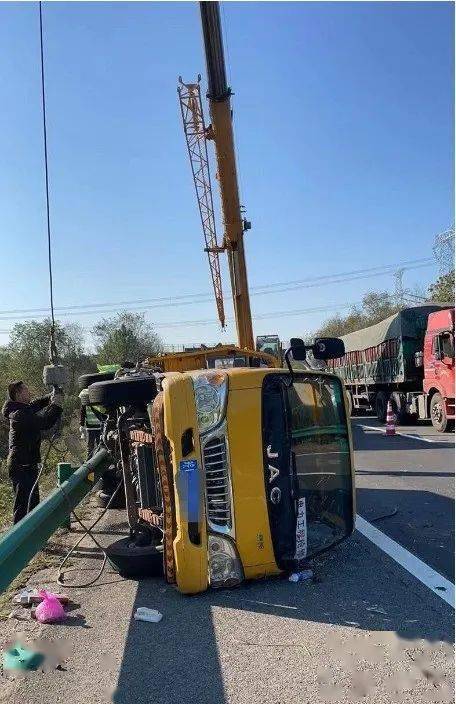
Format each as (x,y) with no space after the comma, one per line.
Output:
(385,353)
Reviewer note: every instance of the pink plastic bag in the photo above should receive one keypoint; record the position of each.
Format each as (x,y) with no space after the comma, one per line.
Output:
(50,609)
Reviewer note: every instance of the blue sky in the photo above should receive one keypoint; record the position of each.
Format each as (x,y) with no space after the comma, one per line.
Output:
(344,131)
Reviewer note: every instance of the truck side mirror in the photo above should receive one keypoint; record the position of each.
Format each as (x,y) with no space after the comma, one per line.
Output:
(418,359)
(328,348)
(298,349)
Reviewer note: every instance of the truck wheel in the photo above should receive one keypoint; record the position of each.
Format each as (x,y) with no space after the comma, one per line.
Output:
(132,560)
(398,404)
(438,413)
(380,406)
(86,379)
(123,391)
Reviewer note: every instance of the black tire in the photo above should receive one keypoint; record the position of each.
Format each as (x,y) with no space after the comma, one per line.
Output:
(123,391)
(131,560)
(86,379)
(380,406)
(399,408)
(438,414)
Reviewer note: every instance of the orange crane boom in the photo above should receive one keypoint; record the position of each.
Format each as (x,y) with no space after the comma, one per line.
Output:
(221,131)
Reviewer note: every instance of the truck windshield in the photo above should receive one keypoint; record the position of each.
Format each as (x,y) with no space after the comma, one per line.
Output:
(321,454)
(308,474)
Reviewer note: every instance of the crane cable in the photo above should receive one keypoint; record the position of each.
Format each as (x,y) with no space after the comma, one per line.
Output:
(52,346)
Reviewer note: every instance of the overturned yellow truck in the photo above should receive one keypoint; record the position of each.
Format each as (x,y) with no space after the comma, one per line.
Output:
(232,470)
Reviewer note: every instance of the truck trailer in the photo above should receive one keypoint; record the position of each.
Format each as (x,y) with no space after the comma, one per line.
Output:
(407,359)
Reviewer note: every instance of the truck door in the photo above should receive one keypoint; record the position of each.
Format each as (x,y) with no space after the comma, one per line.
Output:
(431,372)
(443,361)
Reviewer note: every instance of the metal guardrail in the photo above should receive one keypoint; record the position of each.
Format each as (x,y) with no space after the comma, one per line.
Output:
(19,544)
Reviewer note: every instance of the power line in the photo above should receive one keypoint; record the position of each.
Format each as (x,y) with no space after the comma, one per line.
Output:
(191,299)
(259,316)
(52,347)
(46,171)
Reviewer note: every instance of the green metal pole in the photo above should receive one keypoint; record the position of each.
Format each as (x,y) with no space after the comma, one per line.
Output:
(19,544)
(64,472)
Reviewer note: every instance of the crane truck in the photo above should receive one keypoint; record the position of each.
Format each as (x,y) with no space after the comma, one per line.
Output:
(231,471)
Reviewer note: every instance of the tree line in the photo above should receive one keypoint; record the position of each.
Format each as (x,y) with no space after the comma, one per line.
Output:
(124,337)
(378,305)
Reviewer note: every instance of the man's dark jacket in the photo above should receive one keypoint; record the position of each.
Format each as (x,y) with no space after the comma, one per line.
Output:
(27,421)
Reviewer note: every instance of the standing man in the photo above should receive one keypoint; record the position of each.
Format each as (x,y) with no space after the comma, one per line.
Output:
(27,420)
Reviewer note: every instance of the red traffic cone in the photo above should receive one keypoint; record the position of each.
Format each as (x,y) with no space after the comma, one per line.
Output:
(390,420)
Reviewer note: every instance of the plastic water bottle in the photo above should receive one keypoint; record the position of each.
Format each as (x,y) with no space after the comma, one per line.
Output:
(300,576)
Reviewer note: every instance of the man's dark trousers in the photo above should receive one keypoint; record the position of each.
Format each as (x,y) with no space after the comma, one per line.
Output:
(23,480)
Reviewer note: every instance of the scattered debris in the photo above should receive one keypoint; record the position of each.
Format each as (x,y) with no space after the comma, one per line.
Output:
(377,610)
(33,596)
(19,657)
(142,613)
(50,609)
(385,515)
(300,576)
(21,614)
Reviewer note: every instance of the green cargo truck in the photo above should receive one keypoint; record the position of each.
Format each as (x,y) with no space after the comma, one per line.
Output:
(407,359)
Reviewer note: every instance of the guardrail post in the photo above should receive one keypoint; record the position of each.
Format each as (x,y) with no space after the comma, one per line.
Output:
(64,472)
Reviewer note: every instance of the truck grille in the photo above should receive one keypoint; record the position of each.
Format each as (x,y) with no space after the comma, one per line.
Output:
(218,491)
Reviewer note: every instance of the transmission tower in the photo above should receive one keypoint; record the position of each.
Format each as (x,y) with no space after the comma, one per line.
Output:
(444,250)
(399,291)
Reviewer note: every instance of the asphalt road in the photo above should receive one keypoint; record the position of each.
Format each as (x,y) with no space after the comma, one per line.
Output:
(365,630)
(413,478)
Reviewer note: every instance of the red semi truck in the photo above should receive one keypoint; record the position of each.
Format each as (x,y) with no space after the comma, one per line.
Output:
(407,359)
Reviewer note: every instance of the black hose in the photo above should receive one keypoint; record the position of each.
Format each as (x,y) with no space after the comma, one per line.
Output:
(87,531)
(43,464)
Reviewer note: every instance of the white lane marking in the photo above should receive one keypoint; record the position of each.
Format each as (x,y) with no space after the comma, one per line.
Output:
(406,435)
(425,574)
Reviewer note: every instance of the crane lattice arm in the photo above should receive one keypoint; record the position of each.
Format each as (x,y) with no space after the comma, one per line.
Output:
(195,134)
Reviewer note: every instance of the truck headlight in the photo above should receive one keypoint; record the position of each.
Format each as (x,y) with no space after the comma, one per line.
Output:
(211,391)
(225,569)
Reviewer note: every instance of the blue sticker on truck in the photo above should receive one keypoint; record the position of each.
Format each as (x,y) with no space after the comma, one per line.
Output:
(188,465)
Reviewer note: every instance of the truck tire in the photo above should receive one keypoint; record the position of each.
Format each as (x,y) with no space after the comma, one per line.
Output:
(131,560)
(123,391)
(399,408)
(86,379)
(438,414)
(381,401)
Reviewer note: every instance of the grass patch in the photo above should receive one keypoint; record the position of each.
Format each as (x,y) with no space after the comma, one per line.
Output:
(6,503)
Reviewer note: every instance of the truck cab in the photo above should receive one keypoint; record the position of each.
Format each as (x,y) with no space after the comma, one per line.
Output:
(438,364)
(270,344)
(249,470)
